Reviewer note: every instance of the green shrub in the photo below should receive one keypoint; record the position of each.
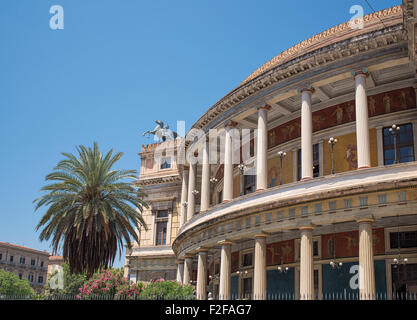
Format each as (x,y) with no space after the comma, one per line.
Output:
(167,290)
(10,284)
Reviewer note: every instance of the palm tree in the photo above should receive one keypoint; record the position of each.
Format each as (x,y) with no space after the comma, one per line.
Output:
(92,209)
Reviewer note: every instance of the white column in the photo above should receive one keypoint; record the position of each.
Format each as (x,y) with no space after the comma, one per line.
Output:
(366,260)
(321,158)
(259,277)
(202,274)
(225,270)
(188,267)
(205,179)
(362,128)
(295,165)
(184,197)
(262,147)
(306,264)
(306,135)
(228,166)
(180,271)
(191,187)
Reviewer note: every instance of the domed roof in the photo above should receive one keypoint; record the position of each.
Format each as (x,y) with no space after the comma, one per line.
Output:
(335,34)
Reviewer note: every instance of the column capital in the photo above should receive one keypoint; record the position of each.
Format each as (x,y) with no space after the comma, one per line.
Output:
(364,217)
(308,88)
(188,256)
(265,107)
(363,71)
(365,220)
(260,235)
(179,261)
(202,250)
(306,227)
(225,242)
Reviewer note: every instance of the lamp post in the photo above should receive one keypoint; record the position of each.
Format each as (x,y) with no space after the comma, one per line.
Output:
(395,130)
(281,155)
(213,181)
(332,142)
(241,168)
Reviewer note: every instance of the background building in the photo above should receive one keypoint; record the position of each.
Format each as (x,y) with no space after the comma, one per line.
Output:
(26,263)
(152,257)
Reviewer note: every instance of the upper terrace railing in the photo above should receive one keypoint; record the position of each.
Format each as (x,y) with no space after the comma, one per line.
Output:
(372,179)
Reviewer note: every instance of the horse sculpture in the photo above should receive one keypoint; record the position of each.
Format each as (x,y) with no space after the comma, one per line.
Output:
(161,132)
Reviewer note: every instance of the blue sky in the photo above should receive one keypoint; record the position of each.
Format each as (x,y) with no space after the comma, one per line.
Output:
(116,67)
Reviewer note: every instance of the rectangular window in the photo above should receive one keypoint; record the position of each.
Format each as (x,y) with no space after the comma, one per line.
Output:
(1,256)
(363,201)
(292,212)
(32,262)
(382,198)
(348,203)
(166,163)
(42,264)
(11,258)
(401,196)
(247,260)
(316,281)
(40,279)
(315,248)
(406,239)
(304,210)
(316,162)
(161,224)
(20,276)
(220,196)
(332,205)
(22,260)
(217,268)
(161,233)
(317,208)
(404,147)
(247,287)
(249,183)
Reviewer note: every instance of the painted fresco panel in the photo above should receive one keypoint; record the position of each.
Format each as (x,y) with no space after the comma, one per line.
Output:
(280,252)
(347,244)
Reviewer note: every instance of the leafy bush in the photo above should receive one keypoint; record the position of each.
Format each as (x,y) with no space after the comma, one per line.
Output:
(10,284)
(167,290)
(109,284)
(72,282)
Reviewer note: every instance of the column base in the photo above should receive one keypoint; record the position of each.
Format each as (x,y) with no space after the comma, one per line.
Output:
(259,190)
(225,201)
(306,178)
(365,167)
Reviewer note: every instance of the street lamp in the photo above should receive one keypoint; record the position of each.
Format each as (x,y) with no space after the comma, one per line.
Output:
(337,265)
(395,130)
(213,180)
(241,168)
(281,155)
(332,142)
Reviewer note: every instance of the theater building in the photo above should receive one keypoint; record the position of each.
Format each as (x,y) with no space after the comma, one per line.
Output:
(325,200)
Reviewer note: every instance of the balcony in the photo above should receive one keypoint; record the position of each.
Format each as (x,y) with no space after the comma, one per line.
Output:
(365,180)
